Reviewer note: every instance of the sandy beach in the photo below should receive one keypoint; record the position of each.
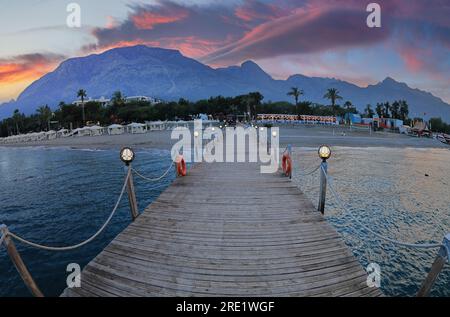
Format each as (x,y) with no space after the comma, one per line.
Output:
(299,136)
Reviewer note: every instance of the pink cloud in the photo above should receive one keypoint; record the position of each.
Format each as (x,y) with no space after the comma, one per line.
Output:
(412,60)
(27,67)
(304,31)
(254,10)
(148,20)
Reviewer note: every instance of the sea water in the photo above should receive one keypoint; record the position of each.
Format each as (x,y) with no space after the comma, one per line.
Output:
(400,193)
(62,196)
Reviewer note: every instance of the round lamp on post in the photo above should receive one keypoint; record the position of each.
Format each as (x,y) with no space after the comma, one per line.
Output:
(324,152)
(127,155)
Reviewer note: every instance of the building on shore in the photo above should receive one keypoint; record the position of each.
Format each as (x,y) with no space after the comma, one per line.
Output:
(96,130)
(151,100)
(420,129)
(104,102)
(62,133)
(137,128)
(156,125)
(386,123)
(115,129)
(297,119)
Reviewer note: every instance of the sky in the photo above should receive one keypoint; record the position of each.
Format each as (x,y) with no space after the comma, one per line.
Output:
(326,38)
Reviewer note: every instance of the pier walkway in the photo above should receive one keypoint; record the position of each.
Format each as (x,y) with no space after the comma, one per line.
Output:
(227,230)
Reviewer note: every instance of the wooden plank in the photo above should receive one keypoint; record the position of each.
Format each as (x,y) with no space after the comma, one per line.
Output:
(227,230)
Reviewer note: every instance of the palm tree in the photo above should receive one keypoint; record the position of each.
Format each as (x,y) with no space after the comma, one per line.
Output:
(82,94)
(368,111)
(117,98)
(380,110)
(253,100)
(296,93)
(395,108)
(348,105)
(17,118)
(404,110)
(333,95)
(45,114)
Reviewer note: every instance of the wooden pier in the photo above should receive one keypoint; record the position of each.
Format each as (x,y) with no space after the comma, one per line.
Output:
(227,230)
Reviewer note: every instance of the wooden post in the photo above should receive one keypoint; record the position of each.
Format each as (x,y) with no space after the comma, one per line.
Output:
(442,258)
(323,186)
(131,195)
(20,265)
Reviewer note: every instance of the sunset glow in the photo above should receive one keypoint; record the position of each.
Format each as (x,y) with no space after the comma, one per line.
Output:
(413,44)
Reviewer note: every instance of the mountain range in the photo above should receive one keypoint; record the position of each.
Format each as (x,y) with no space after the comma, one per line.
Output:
(168,75)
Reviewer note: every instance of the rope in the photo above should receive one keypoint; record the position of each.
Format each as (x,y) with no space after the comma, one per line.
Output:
(286,149)
(2,239)
(396,242)
(159,186)
(309,173)
(154,179)
(68,248)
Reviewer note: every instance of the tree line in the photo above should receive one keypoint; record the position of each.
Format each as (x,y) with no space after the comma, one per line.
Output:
(246,106)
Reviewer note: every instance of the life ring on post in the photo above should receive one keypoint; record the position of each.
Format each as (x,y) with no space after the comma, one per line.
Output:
(181,166)
(286,164)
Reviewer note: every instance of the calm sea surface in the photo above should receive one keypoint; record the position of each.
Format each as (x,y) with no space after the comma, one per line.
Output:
(388,190)
(60,196)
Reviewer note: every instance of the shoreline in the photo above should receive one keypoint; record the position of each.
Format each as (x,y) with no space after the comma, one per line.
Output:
(301,136)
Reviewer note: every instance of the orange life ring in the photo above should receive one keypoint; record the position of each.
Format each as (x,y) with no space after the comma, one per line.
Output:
(286,164)
(181,166)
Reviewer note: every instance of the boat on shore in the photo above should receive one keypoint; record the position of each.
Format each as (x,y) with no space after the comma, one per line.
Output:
(444,138)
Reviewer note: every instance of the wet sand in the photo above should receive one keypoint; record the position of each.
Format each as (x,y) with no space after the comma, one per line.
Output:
(299,136)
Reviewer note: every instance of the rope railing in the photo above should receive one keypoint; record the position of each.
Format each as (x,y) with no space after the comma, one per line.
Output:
(76,246)
(343,206)
(2,238)
(7,237)
(302,173)
(441,259)
(148,179)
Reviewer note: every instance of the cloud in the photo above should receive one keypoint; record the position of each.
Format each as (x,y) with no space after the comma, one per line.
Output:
(27,67)
(304,31)
(148,20)
(258,11)
(194,30)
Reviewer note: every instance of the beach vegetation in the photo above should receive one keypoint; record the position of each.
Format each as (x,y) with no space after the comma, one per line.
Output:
(332,94)
(244,107)
(82,95)
(296,93)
